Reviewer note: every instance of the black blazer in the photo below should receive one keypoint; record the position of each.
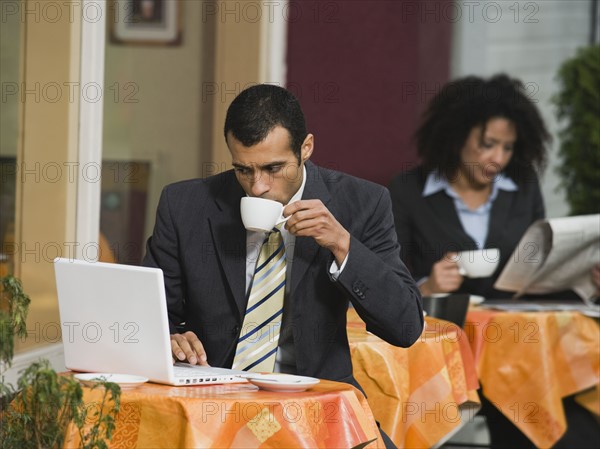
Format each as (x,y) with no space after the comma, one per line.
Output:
(430,227)
(200,243)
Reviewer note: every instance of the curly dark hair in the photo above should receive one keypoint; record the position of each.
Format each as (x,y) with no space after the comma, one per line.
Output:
(258,109)
(471,102)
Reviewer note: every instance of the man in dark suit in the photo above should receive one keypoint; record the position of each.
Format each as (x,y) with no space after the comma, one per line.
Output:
(340,245)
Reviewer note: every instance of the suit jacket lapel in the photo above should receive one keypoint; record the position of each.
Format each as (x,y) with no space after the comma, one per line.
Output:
(443,207)
(306,248)
(499,215)
(229,240)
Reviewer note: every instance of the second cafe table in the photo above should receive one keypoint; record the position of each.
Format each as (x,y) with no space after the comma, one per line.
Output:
(528,361)
(418,394)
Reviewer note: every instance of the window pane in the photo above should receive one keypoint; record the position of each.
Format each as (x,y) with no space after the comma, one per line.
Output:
(153,126)
(9,127)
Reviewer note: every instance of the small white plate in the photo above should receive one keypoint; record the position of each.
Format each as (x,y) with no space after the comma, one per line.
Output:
(438,295)
(476,299)
(124,380)
(282,382)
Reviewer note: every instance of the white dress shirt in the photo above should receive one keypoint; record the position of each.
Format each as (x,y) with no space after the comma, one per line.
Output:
(285,361)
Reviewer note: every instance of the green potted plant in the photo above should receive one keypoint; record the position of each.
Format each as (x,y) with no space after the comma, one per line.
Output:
(578,105)
(36,414)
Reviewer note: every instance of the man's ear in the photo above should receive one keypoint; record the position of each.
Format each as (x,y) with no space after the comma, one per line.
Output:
(307,147)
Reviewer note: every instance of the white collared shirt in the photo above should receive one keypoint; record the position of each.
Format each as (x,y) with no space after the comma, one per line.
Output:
(255,239)
(285,360)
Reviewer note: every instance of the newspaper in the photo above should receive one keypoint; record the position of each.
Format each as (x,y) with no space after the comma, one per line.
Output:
(554,255)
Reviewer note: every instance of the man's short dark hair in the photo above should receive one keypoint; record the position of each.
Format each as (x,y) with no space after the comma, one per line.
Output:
(257,110)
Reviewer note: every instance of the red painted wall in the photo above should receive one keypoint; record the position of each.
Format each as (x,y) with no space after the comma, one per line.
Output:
(363,71)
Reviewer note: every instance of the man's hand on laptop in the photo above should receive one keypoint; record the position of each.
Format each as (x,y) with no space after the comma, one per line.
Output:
(188,347)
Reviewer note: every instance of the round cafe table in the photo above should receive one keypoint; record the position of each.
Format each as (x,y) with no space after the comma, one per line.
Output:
(328,415)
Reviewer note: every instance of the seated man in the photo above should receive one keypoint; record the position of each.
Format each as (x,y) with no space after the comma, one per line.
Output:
(339,241)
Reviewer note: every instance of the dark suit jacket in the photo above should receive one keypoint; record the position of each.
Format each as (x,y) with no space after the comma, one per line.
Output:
(200,244)
(430,227)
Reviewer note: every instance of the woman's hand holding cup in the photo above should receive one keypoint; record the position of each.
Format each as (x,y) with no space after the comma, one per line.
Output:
(444,277)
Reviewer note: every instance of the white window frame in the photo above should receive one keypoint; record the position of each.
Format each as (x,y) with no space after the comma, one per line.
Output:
(93,43)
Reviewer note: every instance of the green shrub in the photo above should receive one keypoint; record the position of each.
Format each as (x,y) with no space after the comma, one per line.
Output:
(578,105)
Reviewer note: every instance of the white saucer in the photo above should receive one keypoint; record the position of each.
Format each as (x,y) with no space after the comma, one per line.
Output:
(124,380)
(282,382)
(473,299)
(438,295)
(476,299)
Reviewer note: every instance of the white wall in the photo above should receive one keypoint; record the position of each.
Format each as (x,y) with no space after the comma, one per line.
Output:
(528,40)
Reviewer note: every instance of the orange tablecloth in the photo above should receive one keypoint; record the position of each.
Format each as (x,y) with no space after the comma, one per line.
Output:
(528,361)
(418,393)
(331,414)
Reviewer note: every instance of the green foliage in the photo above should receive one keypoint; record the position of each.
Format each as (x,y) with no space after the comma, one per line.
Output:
(37,413)
(578,104)
(14,304)
(104,422)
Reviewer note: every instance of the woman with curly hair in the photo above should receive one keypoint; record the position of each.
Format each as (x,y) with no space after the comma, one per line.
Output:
(481,144)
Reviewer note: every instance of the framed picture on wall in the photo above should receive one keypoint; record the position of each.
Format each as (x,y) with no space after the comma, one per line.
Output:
(146,22)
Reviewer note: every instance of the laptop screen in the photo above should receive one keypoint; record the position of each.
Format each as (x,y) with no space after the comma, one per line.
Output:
(113,318)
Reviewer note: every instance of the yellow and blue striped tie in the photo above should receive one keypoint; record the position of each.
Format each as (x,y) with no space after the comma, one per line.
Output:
(257,345)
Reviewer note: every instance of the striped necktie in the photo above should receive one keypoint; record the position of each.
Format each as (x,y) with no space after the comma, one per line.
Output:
(257,345)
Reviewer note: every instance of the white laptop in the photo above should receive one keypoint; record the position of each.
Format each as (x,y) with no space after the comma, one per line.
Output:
(114,320)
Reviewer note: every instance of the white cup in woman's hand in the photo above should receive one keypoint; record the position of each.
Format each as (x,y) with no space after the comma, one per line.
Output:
(478,263)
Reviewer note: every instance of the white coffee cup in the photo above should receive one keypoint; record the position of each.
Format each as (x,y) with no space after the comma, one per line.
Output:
(260,214)
(478,263)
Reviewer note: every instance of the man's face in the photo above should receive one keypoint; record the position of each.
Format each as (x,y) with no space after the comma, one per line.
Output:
(270,169)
